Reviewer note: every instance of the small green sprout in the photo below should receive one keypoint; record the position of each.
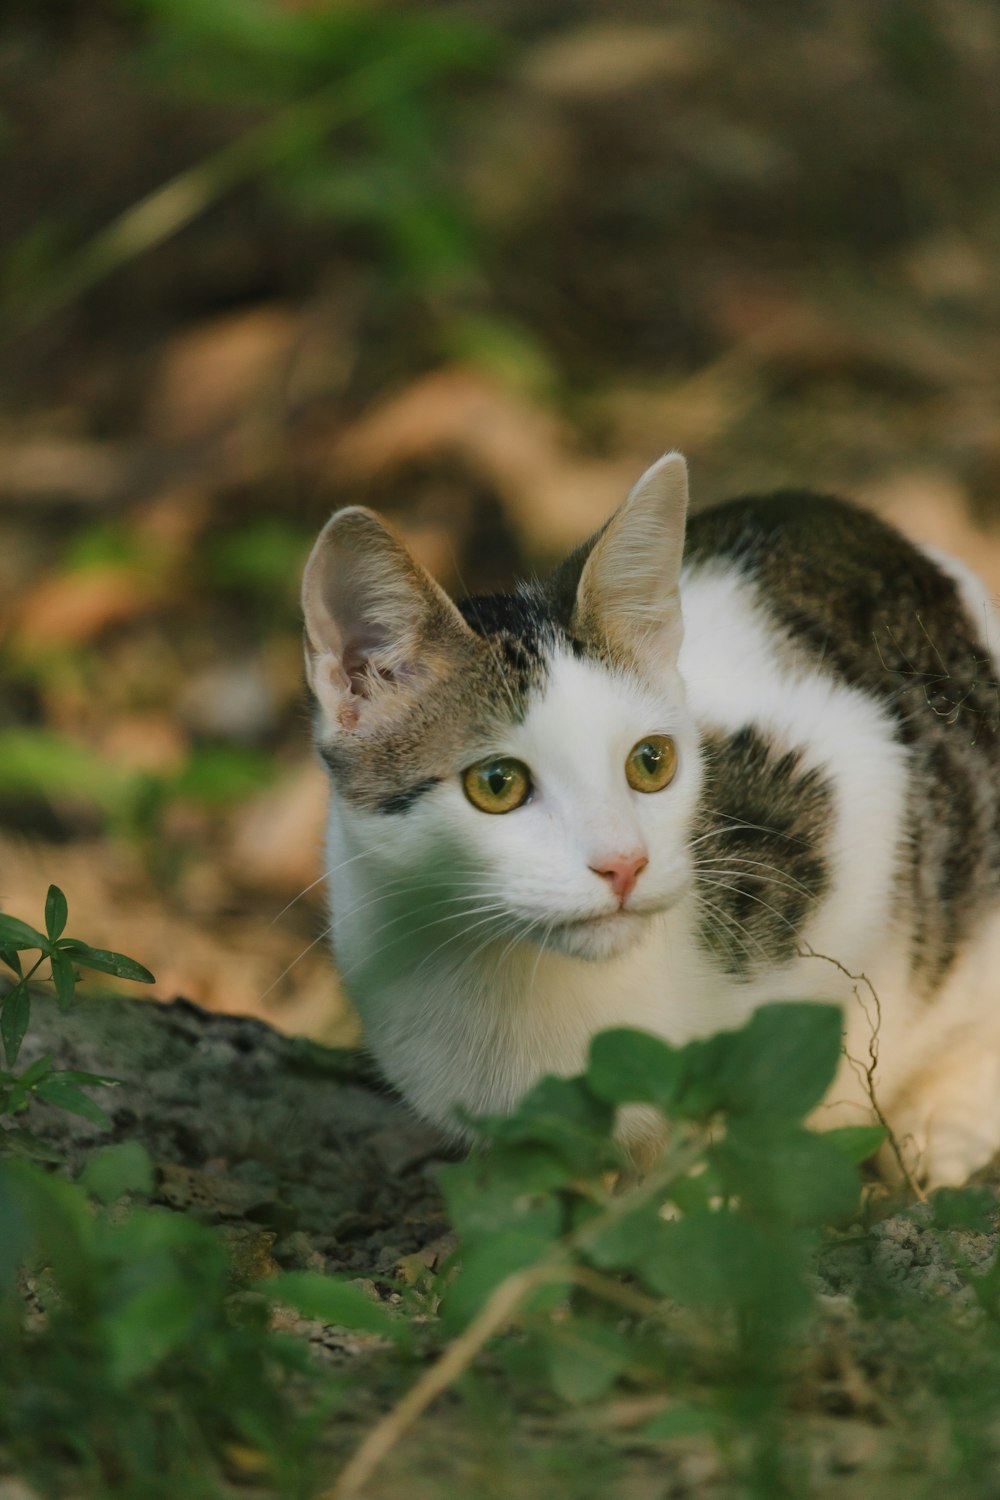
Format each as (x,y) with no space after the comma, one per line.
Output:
(64,955)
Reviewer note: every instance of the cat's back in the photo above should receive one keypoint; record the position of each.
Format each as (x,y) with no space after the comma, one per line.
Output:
(823,644)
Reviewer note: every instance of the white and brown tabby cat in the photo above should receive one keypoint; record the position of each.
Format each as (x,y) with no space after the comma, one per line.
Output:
(665,785)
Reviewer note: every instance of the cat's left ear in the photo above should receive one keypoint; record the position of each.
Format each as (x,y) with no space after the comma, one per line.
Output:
(379,632)
(628,593)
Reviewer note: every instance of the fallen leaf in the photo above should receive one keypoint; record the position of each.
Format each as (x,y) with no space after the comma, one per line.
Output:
(551,494)
(604,58)
(211,374)
(275,845)
(71,608)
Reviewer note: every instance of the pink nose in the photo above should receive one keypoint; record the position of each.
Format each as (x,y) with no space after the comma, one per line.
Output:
(621,871)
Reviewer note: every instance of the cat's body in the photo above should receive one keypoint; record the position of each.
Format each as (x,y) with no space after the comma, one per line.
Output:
(831,808)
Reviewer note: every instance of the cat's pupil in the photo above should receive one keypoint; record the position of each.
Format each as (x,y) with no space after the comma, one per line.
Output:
(652,757)
(497,779)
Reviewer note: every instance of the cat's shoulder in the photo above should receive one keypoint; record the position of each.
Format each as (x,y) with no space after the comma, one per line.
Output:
(802,534)
(863,603)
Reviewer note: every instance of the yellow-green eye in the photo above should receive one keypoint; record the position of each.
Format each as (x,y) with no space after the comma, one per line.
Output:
(651,763)
(498,785)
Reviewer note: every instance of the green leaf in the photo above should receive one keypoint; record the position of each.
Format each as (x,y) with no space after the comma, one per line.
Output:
(701,1091)
(784,1059)
(489,1193)
(14,1018)
(584,1358)
(149,1326)
(116,1170)
(105,961)
(633,1067)
(562,1114)
(63,977)
(55,913)
(332,1300)
(15,1231)
(65,1095)
(697,1189)
(784,1174)
(61,1221)
(626,1239)
(9,956)
(716,1262)
(485,1265)
(965,1208)
(857,1142)
(149,1238)
(17,934)
(39,1068)
(680,1420)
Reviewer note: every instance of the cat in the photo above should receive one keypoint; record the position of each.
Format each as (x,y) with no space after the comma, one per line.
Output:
(701,766)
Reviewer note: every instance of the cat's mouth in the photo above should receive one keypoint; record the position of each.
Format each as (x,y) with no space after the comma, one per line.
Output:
(600,935)
(598,921)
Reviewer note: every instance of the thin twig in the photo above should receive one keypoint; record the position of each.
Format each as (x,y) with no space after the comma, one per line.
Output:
(501,1306)
(497,1310)
(868,1071)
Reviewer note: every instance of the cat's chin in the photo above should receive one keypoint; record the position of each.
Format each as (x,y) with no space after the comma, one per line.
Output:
(596,938)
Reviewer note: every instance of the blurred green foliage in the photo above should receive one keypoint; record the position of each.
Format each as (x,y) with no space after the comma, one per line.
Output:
(379,71)
(59,770)
(337,111)
(108,544)
(142,1375)
(263,561)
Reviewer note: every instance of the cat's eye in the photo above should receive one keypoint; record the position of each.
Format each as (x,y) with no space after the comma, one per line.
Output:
(651,764)
(497,785)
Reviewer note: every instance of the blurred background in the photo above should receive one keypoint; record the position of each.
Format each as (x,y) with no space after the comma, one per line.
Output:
(473,264)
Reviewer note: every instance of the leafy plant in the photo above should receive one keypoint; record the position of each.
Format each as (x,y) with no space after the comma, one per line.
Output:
(214,777)
(698,1269)
(342,122)
(688,1291)
(141,1372)
(64,956)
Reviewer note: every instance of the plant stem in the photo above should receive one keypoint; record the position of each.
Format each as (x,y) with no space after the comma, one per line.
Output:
(500,1308)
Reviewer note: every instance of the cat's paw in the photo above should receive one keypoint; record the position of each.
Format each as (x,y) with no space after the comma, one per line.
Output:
(950,1128)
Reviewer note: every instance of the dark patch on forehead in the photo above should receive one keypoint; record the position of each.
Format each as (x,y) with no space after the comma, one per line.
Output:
(518,626)
(520,633)
(524,616)
(760,850)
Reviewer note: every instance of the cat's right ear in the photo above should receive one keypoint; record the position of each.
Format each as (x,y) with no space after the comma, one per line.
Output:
(378,628)
(627,588)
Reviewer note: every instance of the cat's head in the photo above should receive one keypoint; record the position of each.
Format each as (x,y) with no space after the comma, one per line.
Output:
(532,754)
